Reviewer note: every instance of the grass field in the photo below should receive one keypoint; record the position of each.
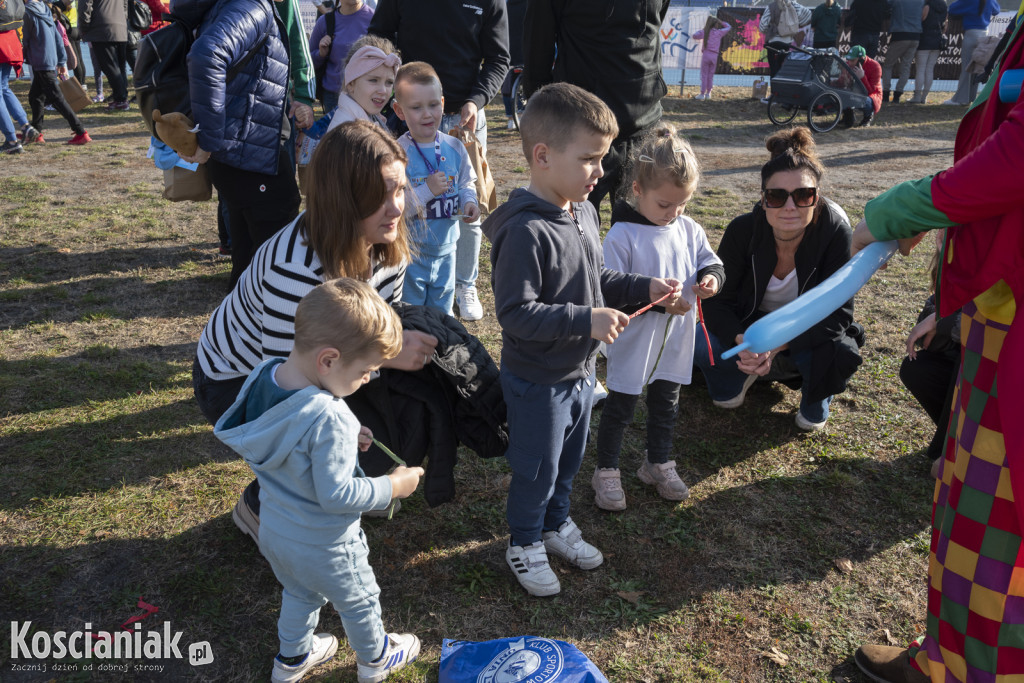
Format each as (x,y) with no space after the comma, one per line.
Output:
(792,550)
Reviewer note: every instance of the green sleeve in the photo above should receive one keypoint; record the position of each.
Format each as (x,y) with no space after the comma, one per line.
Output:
(301,63)
(904,211)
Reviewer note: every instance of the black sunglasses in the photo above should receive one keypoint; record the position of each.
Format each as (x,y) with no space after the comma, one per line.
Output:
(775,198)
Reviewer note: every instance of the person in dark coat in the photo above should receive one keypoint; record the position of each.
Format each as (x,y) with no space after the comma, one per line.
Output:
(104,25)
(866,19)
(242,122)
(611,48)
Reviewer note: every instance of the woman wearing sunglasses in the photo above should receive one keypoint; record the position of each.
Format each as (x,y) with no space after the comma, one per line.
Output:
(792,240)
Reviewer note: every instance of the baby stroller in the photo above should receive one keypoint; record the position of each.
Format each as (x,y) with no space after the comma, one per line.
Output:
(822,84)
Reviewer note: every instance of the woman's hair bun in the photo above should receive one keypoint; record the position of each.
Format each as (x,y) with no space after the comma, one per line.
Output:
(797,139)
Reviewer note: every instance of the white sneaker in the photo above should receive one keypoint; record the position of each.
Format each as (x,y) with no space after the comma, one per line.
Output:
(399,650)
(568,544)
(665,478)
(699,97)
(765,100)
(707,96)
(324,647)
(608,493)
(468,303)
(737,400)
(531,567)
(511,124)
(953,103)
(806,425)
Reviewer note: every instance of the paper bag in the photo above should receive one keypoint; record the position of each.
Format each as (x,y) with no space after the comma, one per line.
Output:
(486,192)
(760,89)
(183,185)
(75,95)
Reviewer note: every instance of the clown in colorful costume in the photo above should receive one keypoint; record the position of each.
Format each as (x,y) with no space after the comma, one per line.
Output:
(975,625)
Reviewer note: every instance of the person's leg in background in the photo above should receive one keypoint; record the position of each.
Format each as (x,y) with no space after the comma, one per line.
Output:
(467,250)
(12,115)
(923,77)
(111,56)
(967,86)
(97,73)
(906,59)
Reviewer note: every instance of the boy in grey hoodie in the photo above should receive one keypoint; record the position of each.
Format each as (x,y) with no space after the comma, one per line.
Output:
(550,285)
(291,426)
(44,52)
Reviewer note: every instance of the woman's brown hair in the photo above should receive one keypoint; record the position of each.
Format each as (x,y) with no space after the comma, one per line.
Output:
(792,149)
(347,186)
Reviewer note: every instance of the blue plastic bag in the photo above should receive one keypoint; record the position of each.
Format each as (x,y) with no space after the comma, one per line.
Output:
(526,659)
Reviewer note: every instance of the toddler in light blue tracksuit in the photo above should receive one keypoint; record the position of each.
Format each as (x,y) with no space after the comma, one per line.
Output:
(291,425)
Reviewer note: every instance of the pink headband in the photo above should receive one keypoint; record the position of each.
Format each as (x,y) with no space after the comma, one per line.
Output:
(368,58)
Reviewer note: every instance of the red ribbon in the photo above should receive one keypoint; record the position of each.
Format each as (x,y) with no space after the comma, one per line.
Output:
(704,327)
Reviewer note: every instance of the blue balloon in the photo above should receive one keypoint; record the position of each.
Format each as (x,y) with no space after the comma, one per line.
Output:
(804,312)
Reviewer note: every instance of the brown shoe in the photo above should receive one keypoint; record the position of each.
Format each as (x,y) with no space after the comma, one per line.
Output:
(885,664)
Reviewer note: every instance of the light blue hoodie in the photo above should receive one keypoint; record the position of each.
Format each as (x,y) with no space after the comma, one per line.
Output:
(305,455)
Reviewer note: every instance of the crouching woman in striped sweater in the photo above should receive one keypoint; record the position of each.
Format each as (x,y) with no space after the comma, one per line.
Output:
(352,227)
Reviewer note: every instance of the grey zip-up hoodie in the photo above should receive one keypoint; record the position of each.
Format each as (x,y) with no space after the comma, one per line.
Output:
(547,274)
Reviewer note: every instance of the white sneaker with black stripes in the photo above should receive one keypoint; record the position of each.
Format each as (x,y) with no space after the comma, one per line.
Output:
(530,565)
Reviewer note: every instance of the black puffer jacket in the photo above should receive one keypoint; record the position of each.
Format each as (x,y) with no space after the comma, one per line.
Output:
(455,399)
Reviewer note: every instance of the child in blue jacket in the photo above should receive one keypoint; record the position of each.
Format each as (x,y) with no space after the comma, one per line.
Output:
(45,53)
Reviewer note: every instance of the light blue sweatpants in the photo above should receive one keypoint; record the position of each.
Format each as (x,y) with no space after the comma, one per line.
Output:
(312,575)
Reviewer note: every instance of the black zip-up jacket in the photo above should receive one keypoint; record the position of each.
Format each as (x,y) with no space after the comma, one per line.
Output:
(868,16)
(548,274)
(611,48)
(748,252)
(453,36)
(425,415)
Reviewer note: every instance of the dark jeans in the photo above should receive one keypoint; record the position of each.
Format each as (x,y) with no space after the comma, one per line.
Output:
(45,88)
(866,39)
(931,379)
(548,426)
(110,58)
(258,206)
(725,379)
(617,414)
(214,396)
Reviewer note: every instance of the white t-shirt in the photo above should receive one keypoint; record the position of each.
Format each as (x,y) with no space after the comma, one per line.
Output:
(677,250)
(778,293)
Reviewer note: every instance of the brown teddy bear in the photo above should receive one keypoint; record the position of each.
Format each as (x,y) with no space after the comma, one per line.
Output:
(177,132)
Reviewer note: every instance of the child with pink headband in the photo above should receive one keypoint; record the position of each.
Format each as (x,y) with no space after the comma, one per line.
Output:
(370,70)
(369,79)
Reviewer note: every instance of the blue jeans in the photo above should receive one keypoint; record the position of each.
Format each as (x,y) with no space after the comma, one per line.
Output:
(467,252)
(430,281)
(312,575)
(725,380)
(548,426)
(11,111)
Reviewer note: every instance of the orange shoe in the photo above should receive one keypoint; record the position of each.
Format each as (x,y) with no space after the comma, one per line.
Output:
(80,139)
